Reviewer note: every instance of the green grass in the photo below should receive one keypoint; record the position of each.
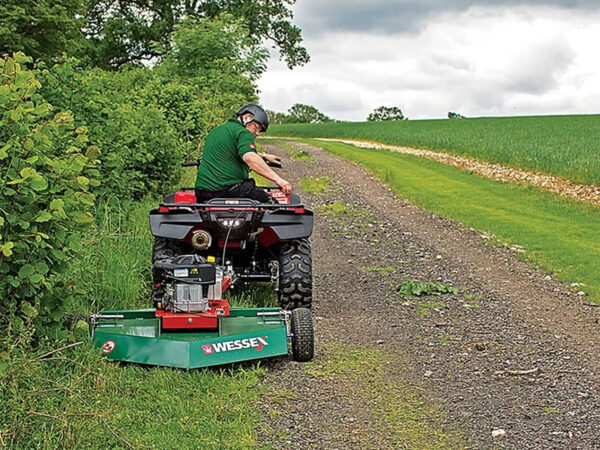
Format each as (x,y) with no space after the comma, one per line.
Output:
(568,146)
(416,288)
(78,400)
(313,185)
(115,268)
(559,234)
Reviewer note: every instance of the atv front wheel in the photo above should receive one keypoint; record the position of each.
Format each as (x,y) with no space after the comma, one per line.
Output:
(295,274)
(303,340)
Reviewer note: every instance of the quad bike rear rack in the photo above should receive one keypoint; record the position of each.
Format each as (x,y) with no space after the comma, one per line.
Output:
(233,206)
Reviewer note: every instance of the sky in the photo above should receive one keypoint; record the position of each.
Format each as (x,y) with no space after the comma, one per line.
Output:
(429,57)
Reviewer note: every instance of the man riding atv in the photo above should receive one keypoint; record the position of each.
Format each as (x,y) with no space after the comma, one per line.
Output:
(229,150)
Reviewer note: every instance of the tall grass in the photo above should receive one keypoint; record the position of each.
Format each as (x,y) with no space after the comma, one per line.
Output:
(567,146)
(561,235)
(115,268)
(76,399)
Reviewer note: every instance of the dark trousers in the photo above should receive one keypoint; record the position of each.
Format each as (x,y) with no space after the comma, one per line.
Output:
(245,189)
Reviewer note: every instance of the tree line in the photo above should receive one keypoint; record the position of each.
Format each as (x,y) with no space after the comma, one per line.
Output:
(301,113)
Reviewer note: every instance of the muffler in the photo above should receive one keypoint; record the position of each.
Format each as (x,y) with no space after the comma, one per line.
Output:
(201,239)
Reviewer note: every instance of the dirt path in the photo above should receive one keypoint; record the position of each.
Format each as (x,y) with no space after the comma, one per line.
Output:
(515,350)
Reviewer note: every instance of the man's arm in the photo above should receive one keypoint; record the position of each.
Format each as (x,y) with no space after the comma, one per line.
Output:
(269,158)
(256,163)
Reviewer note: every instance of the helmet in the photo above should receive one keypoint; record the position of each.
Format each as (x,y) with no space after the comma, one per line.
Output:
(260,115)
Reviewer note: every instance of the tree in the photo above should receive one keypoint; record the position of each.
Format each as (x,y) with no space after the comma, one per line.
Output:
(300,113)
(43,29)
(386,113)
(453,115)
(278,117)
(216,45)
(133,31)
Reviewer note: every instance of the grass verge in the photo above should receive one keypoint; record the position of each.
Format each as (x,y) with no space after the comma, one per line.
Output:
(559,234)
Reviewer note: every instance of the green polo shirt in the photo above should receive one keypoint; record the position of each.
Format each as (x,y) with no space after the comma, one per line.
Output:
(222,164)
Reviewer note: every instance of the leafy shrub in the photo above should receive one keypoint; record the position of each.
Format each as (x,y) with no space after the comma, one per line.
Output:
(140,150)
(47,171)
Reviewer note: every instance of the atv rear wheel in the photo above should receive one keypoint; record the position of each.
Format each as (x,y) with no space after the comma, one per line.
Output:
(295,274)
(303,340)
(165,249)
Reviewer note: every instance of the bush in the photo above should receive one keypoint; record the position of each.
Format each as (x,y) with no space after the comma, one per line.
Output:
(47,171)
(140,150)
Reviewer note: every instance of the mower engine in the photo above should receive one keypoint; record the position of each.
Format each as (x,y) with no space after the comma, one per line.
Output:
(186,281)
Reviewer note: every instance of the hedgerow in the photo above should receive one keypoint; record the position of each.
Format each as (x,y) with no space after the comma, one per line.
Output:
(48,169)
(141,154)
(72,139)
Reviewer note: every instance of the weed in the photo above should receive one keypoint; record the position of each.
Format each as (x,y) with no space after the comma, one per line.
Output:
(447,340)
(380,270)
(551,410)
(471,306)
(413,288)
(395,404)
(432,305)
(339,209)
(295,153)
(282,396)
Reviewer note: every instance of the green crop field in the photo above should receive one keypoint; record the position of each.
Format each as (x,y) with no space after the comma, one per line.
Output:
(568,146)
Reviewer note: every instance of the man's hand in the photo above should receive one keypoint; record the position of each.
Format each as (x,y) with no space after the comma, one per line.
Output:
(285,186)
(258,164)
(273,159)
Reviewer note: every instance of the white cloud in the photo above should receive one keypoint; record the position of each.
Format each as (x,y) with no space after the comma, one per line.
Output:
(481,61)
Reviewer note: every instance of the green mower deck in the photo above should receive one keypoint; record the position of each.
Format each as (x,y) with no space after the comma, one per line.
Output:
(136,336)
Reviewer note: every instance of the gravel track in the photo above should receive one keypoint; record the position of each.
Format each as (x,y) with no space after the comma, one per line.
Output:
(515,350)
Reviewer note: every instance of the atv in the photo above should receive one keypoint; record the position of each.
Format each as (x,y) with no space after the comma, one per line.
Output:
(200,251)
(248,241)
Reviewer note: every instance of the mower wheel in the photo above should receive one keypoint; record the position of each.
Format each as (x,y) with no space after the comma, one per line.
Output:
(295,274)
(303,340)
